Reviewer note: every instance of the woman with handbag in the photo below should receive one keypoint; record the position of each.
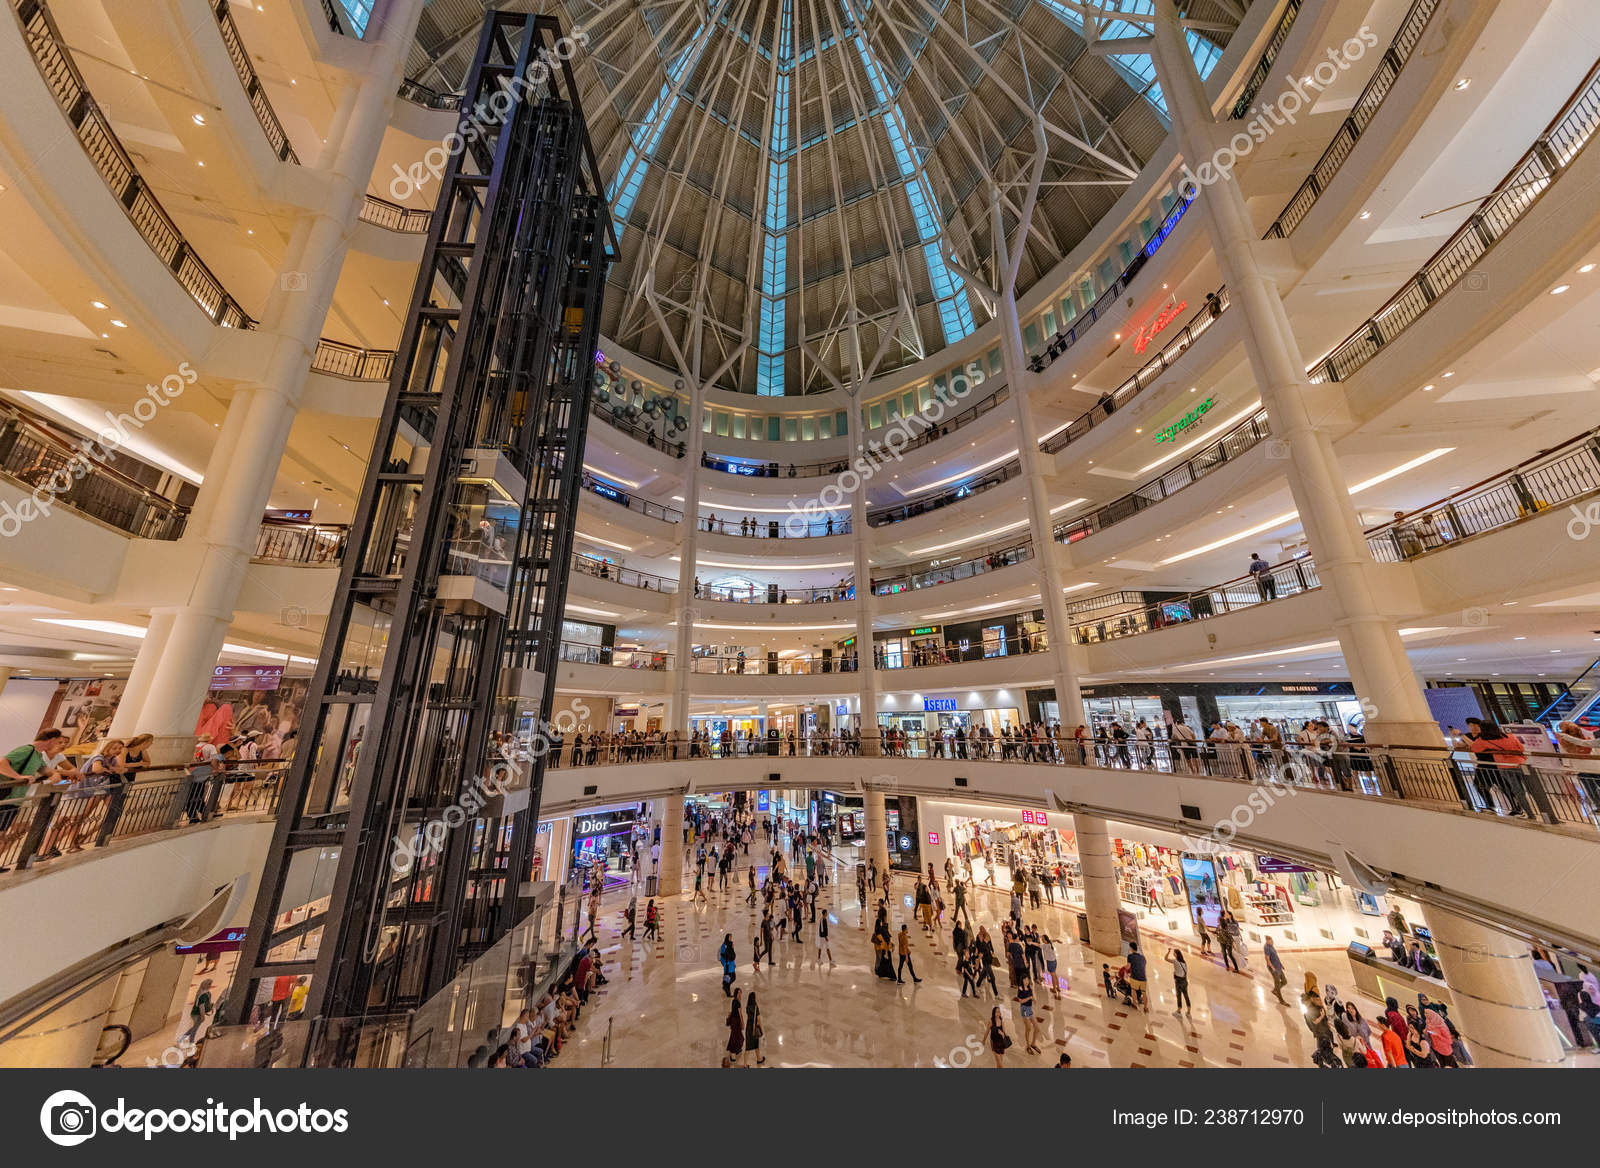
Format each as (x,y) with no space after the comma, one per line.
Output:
(999,1040)
(735,1029)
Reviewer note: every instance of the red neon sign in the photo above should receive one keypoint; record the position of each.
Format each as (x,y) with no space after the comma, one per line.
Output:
(1166,316)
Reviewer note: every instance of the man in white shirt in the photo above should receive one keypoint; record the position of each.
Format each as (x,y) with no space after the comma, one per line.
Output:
(1183,739)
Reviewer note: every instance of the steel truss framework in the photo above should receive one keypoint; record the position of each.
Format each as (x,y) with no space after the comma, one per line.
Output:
(904,122)
(443,638)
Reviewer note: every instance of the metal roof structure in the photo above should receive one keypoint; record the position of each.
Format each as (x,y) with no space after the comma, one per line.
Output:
(799,186)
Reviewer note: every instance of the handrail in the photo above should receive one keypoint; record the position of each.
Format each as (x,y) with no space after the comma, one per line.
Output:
(1559,475)
(1216,304)
(966,417)
(253,91)
(280,542)
(351,361)
(332,14)
(1566,691)
(35,458)
(639,433)
(73,818)
(776,594)
(1356,122)
(1112,296)
(614,657)
(786,528)
(910,509)
(996,556)
(1290,578)
(1263,70)
(100,143)
(1246,435)
(393,217)
(1523,186)
(418,93)
(632,577)
(596,485)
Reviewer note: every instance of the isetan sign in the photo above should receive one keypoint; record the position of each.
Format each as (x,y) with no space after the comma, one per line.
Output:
(1142,338)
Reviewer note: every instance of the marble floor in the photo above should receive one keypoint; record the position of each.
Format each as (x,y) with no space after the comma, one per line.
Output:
(664,1007)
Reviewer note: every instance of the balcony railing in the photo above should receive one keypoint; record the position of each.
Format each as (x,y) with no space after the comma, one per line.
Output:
(316,544)
(615,494)
(1249,433)
(425,95)
(615,657)
(1570,471)
(749,527)
(42,461)
(673,446)
(1360,117)
(352,362)
(603,570)
(93,130)
(1001,556)
(253,91)
(776,594)
(393,217)
(900,512)
(1216,304)
(930,652)
(1108,300)
(1539,169)
(1263,70)
(72,818)
(965,418)
(1277,583)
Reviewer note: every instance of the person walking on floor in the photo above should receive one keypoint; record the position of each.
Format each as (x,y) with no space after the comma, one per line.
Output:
(822,940)
(1225,939)
(631,914)
(753,1029)
(735,1030)
(904,947)
(1269,951)
(1030,1024)
(999,1040)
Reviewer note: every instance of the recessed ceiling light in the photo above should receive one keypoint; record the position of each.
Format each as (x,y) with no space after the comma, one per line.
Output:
(1586,269)
(1519,638)
(1118,336)
(1450,373)
(1462,84)
(1366,214)
(1559,289)
(98,303)
(199,119)
(249,231)
(1427,388)
(119,324)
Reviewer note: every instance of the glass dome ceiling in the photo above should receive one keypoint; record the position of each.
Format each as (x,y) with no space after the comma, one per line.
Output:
(799,186)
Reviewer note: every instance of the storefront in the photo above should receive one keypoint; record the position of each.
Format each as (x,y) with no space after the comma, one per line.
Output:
(1203,705)
(606,834)
(905,848)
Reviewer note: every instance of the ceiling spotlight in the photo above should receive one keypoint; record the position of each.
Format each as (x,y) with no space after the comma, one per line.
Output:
(1427,388)
(199,119)
(1559,289)
(1586,269)
(119,324)
(1366,214)
(1462,84)
(98,303)
(1449,373)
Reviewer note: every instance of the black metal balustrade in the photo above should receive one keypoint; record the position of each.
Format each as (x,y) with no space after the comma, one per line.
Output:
(253,91)
(93,130)
(1277,583)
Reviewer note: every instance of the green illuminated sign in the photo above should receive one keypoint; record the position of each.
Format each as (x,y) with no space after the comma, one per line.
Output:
(925,632)
(1170,433)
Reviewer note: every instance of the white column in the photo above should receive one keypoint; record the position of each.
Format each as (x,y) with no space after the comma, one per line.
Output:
(877,829)
(1370,641)
(1101,900)
(687,608)
(170,676)
(669,877)
(867,678)
(1499,1006)
(1063,651)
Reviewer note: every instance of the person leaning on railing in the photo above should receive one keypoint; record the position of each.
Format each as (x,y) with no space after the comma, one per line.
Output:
(24,766)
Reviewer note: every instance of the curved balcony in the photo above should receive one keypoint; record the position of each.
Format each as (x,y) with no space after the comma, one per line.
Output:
(633,502)
(999,556)
(1560,476)
(791,526)
(1360,117)
(1279,582)
(965,418)
(92,127)
(626,577)
(37,458)
(1538,170)
(1246,435)
(1111,299)
(426,96)
(613,657)
(645,434)
(900,512)
(775,594)
(352,362)
(1269,54)
(1216,304)
(277,137)
(393,217)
